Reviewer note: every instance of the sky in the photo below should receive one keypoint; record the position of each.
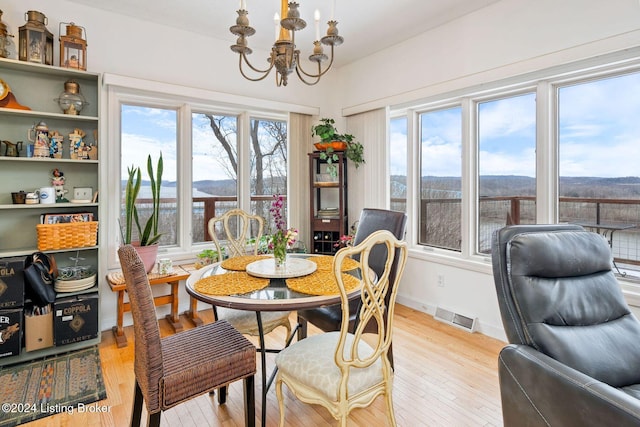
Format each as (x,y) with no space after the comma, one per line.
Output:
(599,132)
(152,130)
(599,135)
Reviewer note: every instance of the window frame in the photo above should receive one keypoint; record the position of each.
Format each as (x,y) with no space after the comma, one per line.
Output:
(545,84)
(117,96)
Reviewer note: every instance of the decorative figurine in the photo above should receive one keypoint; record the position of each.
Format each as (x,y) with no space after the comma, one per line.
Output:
(58,183)
(77,144)
(55,149)
(39,135)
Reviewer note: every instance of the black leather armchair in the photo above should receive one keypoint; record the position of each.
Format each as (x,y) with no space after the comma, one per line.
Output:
(329,318)
(574,352)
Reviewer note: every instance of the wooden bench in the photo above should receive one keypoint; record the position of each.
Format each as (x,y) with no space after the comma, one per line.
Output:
(117,284)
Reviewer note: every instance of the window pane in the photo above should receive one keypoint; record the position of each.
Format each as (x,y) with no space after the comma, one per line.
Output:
(599,147)
(398,164)
(268,165)
(506,165)
(440,183)
(149,131)
(215,169)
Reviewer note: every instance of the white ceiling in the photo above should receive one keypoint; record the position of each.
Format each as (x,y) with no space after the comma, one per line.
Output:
(366,25)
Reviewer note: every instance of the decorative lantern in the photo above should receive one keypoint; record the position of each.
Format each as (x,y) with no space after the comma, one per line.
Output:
(4,39)
(73,48)
(36,42)
(71,100)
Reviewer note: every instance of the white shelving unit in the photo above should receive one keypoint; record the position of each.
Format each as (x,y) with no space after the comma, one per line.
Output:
(37,86)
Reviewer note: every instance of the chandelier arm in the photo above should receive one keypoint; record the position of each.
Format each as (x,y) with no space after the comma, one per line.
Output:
(320,72)
(299,72)
(257,79)
(271,63)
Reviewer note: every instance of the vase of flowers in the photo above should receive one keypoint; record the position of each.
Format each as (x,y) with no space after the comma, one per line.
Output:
(283,237)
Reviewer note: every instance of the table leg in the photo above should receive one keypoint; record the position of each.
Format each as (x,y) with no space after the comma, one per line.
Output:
(263,359)
(174,317)
(192,313)
(118,331)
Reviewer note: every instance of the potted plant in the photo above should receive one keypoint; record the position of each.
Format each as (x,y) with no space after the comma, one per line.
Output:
(149,235)
(332,141)
(207,257)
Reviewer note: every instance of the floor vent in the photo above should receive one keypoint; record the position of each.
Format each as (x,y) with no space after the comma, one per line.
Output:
(456,319)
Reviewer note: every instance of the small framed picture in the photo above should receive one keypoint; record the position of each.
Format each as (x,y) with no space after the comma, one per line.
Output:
(66,218)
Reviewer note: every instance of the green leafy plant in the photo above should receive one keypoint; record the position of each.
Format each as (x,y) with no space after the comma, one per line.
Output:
(149,234)
(327,132)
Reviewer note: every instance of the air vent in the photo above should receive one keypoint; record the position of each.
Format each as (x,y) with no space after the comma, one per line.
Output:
(456,319)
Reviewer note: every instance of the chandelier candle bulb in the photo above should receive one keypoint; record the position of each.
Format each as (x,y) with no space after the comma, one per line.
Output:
(316,16)
(276,21)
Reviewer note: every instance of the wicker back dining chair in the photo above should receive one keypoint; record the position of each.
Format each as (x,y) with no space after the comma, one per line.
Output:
(234,228)
(184,365)
(340,370)
(329,318)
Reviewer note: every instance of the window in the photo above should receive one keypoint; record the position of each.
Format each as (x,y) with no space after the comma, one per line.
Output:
(150,131)
(398,164)
(506,165)
(268,165)
(559,146)
(213,162)
(214,169)
(440,178)
(599,147)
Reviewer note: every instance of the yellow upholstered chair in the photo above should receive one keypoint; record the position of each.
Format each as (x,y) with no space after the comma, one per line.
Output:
(340,370)
(184,365)
(232,231)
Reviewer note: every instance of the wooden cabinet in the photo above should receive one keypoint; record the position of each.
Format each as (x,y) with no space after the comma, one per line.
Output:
(328,209)
(38,87)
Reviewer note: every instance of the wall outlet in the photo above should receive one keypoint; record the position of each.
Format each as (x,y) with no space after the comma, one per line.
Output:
(441,280)
(83,193)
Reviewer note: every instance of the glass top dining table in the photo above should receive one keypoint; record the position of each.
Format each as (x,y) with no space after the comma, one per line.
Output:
(275,297)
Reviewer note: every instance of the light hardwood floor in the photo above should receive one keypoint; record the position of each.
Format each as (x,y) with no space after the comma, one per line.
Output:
(444,377)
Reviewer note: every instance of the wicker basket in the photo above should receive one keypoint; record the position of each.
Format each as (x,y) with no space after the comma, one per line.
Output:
(67,235)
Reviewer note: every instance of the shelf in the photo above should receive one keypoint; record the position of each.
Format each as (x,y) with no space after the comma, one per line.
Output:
(29,251)
(39,115)
(45,70)
(47,160)
(48,206)
(37,86)
(332,184)
(49,351)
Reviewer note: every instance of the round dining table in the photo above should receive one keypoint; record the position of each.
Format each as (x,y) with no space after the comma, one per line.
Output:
(275,297)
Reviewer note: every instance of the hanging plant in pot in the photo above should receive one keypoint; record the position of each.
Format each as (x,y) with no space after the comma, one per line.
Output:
(147,245)
(331,142)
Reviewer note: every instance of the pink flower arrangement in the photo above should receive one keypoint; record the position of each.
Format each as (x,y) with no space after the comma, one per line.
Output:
(283,237)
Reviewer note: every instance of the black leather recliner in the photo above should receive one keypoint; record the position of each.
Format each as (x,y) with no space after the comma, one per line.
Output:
(574,352)
(329,318)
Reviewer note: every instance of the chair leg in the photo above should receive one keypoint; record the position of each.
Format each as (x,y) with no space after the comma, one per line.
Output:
(136,414)
(154,419)
(302,330)
(222,395)
(249,401)
(391,417)
(280,399)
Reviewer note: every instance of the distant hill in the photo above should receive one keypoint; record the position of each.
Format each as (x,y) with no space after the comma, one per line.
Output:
(510,185)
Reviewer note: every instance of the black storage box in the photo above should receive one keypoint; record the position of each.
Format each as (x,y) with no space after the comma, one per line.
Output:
(11,283)
(76,318)
(10,332)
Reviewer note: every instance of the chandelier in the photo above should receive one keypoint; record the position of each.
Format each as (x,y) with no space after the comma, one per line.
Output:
(284,55)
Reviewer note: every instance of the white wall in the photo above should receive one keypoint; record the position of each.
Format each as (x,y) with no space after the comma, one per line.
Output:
(508,38)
